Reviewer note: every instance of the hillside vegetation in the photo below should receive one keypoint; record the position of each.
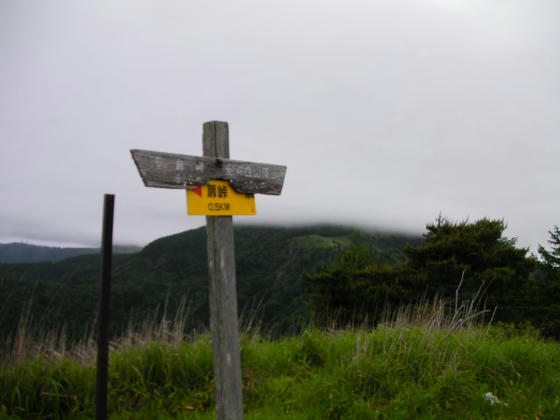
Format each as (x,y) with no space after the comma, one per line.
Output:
(172,271)
(472,259)
(338,324)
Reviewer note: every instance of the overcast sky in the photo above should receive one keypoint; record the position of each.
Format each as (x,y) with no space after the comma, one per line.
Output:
(386,112)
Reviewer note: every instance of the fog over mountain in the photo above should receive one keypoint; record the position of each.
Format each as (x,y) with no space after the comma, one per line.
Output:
(386,113)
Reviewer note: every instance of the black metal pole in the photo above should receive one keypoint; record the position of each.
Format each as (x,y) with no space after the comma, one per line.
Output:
(104,307)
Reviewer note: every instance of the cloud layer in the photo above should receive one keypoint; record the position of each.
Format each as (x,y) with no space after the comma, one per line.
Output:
(386,113)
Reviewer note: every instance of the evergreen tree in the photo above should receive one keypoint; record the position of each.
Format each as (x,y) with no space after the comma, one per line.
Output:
(551,259)
(477,252)
(548,286)
(359,286)
(334,288)
(477,249)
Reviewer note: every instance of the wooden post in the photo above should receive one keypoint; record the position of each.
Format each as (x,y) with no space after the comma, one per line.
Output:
(171,170)
(224,323)
(104,307)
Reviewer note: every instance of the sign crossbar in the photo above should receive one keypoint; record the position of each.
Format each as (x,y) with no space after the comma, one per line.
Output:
(167,170)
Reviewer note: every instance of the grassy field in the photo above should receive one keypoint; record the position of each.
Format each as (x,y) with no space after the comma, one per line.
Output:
(423,369)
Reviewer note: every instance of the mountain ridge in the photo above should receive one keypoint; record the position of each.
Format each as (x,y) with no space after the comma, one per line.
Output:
(21,252)
(269,263)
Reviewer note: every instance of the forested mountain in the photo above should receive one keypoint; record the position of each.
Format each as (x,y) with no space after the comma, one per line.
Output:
(465,264)
(27,253)
(270,262)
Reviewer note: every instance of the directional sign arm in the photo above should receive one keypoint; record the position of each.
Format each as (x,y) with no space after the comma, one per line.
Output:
(169,170)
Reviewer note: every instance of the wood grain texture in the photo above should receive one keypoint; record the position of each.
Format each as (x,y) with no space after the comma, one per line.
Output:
(224,323)
(170,170)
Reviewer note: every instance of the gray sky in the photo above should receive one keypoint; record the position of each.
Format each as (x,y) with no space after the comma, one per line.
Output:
(386,112)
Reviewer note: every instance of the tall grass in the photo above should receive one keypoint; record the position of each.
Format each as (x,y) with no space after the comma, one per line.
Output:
(30,339)
(437,312)
(428,361)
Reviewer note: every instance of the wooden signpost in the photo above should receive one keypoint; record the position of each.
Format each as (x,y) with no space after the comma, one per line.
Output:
(207,177)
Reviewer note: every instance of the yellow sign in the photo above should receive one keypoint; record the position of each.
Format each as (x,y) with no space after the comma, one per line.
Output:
(218,198)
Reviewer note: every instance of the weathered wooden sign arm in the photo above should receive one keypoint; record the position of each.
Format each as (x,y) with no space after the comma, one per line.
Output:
(170,170)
